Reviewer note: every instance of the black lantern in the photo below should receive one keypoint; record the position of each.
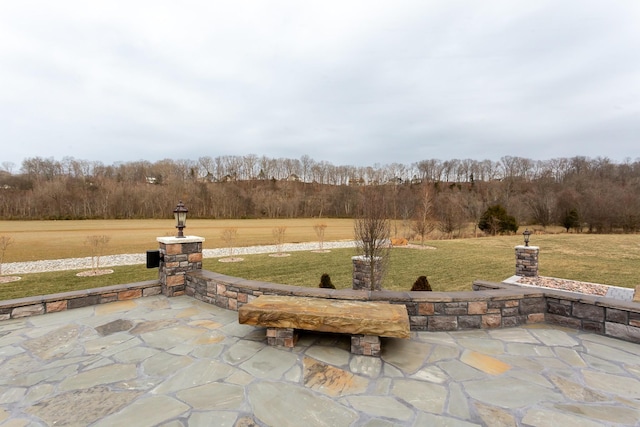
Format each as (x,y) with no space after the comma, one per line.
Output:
(526,235)
(180,214)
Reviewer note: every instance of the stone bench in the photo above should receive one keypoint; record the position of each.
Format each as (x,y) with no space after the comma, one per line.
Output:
(365,321)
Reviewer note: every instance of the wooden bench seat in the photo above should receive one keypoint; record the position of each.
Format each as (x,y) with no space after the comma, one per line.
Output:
(364,321)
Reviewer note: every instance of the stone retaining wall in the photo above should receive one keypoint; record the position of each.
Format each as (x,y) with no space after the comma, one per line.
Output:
(32,306)
(490,305)
(428,311)
(606,316)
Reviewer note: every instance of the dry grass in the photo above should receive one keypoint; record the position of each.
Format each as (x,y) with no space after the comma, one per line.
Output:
(36,240)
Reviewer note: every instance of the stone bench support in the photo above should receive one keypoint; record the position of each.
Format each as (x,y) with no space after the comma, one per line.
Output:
(366,345)
(284,337)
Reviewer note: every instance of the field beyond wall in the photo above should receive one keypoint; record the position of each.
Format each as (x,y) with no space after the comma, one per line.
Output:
(451,265)
(37,240)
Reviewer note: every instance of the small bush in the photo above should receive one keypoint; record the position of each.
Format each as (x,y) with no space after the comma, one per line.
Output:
(421,284)
(325,282)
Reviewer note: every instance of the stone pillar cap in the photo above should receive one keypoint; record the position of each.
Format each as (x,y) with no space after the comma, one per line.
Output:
(175,240)
(364,258)
(528,247)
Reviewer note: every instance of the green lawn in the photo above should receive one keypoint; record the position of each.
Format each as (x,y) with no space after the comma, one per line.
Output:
(452,266)
(64,281)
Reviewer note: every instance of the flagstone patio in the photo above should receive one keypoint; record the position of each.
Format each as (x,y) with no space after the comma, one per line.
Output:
(160,361)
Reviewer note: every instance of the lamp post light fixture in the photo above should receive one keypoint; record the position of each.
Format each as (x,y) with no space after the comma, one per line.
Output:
(180,214)
(526,235)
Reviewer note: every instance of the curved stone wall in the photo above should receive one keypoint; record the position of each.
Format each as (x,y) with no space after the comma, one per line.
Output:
(490,305)
(428,311)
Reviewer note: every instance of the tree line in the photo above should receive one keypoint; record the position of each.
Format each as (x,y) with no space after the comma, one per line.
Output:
(579,193)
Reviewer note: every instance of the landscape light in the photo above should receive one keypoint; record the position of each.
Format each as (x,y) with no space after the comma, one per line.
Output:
(180,214)
(526,235)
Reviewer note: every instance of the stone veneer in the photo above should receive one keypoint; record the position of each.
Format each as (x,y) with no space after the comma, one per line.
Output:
(178,255)
(362,273)
(527,261)
(32,306)
(490,305)
(428,311)
(606,316)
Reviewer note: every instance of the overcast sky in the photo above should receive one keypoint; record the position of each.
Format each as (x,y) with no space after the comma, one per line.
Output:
(348,82)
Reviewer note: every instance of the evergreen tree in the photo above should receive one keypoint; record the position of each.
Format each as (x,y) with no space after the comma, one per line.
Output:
(496,220)
(571,219)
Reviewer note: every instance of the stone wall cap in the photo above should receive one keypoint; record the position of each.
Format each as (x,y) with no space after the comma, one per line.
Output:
(175,240)
(537,248)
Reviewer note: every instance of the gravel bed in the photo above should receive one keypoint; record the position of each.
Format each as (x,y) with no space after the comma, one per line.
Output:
(566,285)
(133,259)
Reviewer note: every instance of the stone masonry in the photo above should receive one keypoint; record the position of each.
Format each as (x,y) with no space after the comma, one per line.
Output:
(527,261)
(178,255)
(362,276)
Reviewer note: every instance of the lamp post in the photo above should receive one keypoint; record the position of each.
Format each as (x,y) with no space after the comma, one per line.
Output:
(180,214)
(526,235)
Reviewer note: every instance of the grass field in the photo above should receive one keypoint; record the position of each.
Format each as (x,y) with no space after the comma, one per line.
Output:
(36,240)
(452,265)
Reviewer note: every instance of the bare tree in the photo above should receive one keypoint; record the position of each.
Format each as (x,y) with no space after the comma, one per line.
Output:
(372,230)
(96,244)
(8,166)
(423,224)
(229,236)
(5,242)
(278,236)
(450,213)
(319,228)
(422,227)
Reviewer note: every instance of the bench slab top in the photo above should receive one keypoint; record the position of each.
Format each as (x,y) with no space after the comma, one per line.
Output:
(327,315)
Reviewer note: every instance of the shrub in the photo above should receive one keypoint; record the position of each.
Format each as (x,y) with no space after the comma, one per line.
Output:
(421,284)
(325,282)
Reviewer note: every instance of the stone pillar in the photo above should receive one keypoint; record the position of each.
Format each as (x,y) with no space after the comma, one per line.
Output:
(362,276)
(366,345)
(178,255)
(285,337)
(527,261)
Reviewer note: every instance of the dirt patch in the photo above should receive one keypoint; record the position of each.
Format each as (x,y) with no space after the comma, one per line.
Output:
(412,246)
(93,273)
(231,259)
(9,279)
(279,255)
(323,251)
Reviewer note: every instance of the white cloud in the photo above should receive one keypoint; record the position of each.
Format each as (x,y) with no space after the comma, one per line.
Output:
(358,82)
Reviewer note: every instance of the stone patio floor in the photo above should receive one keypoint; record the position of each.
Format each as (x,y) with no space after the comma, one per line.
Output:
(179,362)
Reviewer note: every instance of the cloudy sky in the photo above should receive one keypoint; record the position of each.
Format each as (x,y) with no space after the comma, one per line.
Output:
(348,82)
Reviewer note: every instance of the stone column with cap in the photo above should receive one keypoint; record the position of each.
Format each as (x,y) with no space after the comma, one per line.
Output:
(361,273)
(178,255)
(527,261)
